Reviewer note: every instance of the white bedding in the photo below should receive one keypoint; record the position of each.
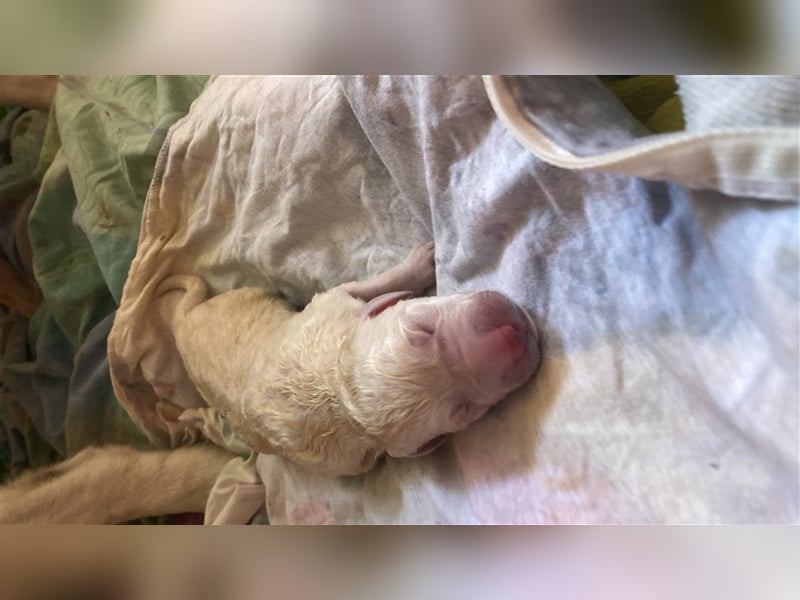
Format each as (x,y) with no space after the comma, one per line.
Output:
(668,390)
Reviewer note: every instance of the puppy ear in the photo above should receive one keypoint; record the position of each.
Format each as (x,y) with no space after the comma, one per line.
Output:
(377,305)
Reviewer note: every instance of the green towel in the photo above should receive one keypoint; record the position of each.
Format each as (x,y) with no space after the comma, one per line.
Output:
(92,158)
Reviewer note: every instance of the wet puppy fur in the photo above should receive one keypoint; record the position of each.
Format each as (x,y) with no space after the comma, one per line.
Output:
(364,370)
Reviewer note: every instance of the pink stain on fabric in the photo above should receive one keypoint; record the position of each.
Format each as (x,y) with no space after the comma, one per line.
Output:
(314,513)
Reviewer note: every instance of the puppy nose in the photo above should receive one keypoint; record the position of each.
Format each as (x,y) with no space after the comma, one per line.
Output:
(490,310)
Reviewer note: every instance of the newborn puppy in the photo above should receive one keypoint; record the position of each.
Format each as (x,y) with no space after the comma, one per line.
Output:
(363,370)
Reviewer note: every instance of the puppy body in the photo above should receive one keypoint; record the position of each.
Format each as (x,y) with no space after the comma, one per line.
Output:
(362,370)
(277,378)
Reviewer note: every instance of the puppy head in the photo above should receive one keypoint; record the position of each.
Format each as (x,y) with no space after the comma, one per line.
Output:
(420,369)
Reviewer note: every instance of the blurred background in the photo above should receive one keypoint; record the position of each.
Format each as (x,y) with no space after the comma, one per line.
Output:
(423,36)
(422,563)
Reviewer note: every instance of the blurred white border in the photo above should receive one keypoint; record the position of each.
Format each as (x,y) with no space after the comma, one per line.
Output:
(370,36)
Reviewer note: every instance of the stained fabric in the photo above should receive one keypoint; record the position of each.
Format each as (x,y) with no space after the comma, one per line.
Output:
(666,294)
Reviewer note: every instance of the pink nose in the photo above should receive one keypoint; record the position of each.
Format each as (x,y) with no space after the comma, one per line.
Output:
(490,311)
(511,340)
(500,351)
(501,328)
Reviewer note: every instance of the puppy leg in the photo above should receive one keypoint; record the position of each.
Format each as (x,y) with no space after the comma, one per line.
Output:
(114,484)
(416,273)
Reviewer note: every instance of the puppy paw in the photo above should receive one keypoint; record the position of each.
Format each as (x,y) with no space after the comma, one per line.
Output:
(415,274)
(420,266)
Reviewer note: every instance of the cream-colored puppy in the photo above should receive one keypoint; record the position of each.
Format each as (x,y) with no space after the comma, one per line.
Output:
(363,370)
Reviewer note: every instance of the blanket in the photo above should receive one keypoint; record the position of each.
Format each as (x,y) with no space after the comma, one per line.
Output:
(661,270)
(72,189)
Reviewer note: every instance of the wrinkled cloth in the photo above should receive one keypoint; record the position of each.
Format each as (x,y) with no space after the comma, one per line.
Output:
(668,309)
(81,175)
